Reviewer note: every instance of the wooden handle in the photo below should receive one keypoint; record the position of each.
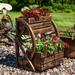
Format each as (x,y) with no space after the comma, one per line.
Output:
(54,25)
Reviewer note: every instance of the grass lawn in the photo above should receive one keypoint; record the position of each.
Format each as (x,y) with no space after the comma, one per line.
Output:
(13,16)
(62,20)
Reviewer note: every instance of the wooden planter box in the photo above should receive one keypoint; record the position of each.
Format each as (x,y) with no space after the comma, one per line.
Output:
(41,61)
(44,61)
(69,52)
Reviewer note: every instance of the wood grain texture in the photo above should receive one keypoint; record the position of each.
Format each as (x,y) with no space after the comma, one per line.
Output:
(32,27)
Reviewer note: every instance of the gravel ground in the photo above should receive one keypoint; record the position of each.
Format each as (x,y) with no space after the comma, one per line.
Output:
(8,65)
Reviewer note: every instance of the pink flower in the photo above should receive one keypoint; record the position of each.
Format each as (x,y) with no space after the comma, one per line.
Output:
(36,11)
(42,35)
(55,37)
(48,33)
(65,44)
(55,43)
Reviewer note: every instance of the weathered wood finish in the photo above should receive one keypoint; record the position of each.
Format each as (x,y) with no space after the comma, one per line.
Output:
(59,57)
(69,52)
(32,20)
(43,61)
(19,32)
(40,25)
(34,26)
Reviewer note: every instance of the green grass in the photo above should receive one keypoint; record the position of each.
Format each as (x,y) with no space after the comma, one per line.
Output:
(62,20)
(13,16)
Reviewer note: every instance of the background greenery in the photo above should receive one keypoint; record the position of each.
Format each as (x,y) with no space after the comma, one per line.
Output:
(62,11)
(62,20)
(52,5)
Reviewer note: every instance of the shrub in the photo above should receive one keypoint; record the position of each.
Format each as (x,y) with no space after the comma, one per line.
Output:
(73,7)
(58,6)
(50,8)
(67,10)
(67,6)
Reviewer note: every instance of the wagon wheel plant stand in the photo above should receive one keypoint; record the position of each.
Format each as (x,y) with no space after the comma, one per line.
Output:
(29,32)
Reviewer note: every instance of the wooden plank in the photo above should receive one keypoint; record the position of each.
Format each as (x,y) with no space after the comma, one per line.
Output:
(40,25)
(22,60)
(58,61)
(49,64)
(48,59)
(59,55)
(43,30)
(32,20)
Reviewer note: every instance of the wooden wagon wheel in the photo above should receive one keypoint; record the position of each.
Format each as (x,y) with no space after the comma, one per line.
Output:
(23,29)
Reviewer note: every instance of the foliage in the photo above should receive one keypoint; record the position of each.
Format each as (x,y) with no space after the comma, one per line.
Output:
(56,5)
(73,7)
(68,34)
(67,10)
(51,45)
(34,12)
(64,21)
(49,8)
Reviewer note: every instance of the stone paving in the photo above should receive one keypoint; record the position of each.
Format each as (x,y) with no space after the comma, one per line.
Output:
(8,65)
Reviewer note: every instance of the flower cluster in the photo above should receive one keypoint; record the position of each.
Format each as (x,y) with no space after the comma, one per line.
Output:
(58,42)
(34,12)
(52,45)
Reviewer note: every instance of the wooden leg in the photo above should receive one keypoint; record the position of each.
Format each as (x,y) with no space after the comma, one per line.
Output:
(17,52)
(25,55)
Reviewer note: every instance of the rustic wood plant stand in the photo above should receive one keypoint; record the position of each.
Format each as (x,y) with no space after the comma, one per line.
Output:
(32,27)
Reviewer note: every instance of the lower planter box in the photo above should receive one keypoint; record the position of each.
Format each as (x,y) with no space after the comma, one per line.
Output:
(69,52)
(44,61)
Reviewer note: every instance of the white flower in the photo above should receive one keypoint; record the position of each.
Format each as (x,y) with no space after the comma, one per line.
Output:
(39,35)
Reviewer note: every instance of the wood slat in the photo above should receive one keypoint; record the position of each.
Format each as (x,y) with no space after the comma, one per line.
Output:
(40,25)
(49,64)
(43,30)
(32,20)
